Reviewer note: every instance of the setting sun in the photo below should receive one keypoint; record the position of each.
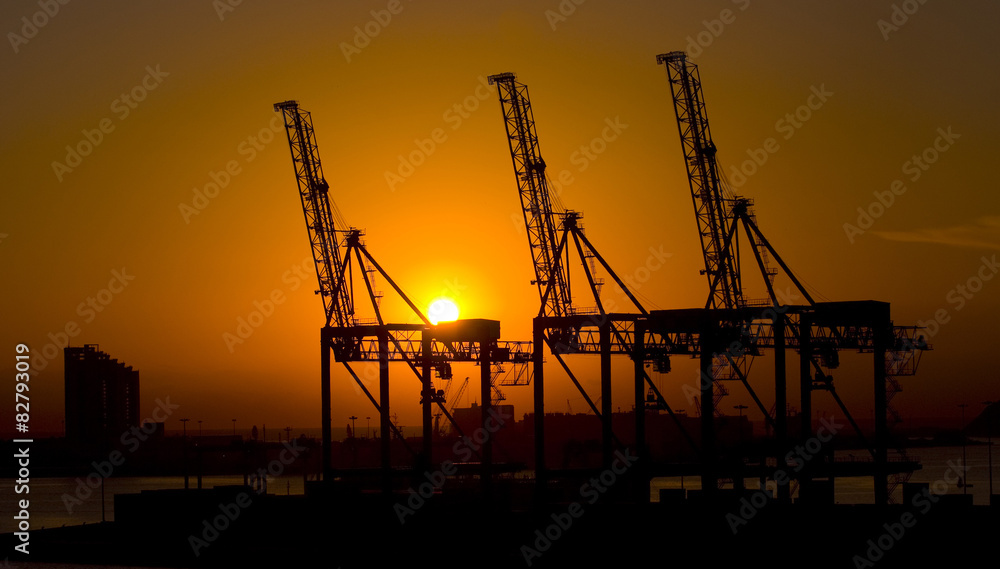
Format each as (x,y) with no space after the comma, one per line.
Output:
(442,310)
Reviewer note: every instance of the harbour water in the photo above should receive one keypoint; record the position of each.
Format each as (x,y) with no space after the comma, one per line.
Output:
(61,501)
(936,463)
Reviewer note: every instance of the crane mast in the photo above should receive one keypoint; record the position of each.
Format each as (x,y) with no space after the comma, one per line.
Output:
(715,223)
(314,192)
(539,219)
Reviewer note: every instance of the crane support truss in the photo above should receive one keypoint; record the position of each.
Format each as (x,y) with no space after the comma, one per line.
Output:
(817,332)
(426,349)
(360,344)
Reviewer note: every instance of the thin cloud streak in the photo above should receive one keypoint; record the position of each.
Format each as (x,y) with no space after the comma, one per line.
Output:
(984,233)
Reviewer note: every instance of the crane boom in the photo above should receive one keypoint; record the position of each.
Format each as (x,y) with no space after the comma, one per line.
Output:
(536,203)
(314,190)
(711,206)
(458,396)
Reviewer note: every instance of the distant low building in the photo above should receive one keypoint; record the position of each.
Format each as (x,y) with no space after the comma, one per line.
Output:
(102,396)
(471,418)
(154,431)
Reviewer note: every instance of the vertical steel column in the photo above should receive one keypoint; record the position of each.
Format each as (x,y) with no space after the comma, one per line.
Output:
(427,397)
(638,361)
(780,400)
(485,377)
(709,480)
(805,395)
(607,429)
(537,362)
(881,478)
(326,344)
(383,402)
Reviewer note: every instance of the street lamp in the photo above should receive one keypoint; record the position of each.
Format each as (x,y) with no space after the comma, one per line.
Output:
(184,451)
(368,430)
(353,430)
(989,441)
(234,427)
(965,487)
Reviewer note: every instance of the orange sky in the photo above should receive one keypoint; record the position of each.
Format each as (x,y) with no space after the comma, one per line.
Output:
(207,79)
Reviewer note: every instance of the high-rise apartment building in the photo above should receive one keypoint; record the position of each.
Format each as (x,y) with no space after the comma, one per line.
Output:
(102,396)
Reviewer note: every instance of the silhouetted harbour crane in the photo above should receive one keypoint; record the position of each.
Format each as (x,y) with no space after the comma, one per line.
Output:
(351,339)
(720,215)
(561,325)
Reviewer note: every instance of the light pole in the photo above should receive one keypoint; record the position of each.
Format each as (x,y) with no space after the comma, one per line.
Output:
(368,430)
(234,427)
(989,441)
(184,451)
(965,487)
(353,430)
